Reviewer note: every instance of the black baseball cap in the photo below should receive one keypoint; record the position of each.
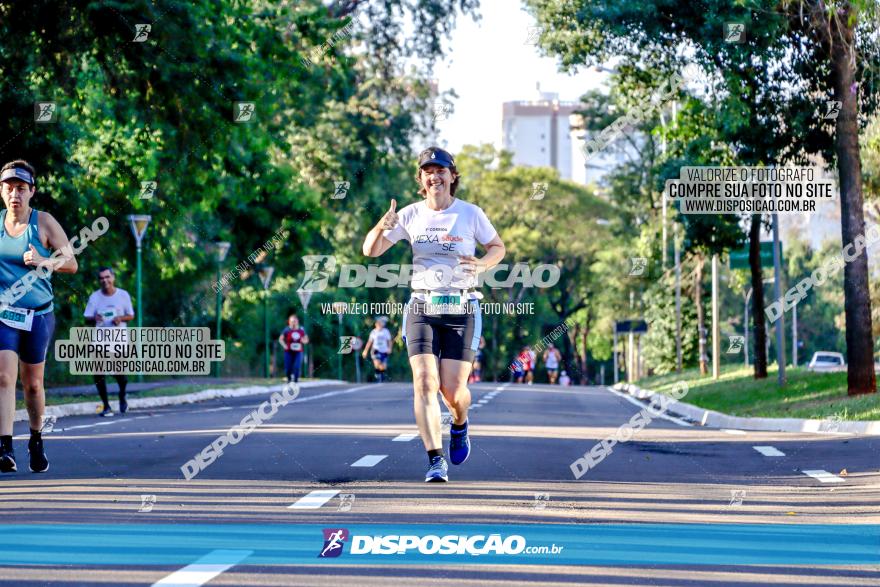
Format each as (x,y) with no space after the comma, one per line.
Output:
(436,156)
(18,173)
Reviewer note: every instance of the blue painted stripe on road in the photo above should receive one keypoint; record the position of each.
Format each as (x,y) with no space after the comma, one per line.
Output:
(586,544)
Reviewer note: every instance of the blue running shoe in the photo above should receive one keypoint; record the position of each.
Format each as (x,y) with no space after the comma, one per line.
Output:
(437,473)
(459,445)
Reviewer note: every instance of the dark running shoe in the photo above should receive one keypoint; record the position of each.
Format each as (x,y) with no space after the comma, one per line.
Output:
(39,462)
(459,445)
(7,460)
(123,406)
(437,473)
(106,413)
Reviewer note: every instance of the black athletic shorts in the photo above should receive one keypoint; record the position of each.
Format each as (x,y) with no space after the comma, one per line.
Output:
(450,336)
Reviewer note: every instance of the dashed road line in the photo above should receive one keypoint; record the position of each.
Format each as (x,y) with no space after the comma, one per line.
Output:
(404,437)
(769,451)
(823,476)
(204,569)
(369,461)
(313,500)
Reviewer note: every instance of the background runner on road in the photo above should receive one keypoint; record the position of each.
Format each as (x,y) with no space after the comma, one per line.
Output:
(110,307)
(293,340)
(551,362)
(477,371)
(379,347)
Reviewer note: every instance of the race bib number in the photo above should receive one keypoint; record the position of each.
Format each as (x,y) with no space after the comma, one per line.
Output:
(441,303)
(19,318)
(295,346)
(108,314)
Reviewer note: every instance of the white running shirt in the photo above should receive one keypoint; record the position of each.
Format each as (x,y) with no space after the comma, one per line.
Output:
(552,361)
(438,238)
(105,308)
(381,340)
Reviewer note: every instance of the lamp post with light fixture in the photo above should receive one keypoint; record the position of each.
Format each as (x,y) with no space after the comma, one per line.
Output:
(139,223)
(265,272)
(221,249)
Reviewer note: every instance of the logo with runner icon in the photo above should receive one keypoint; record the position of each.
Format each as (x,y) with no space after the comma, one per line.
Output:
(736,343)
(334,539)
(318,270)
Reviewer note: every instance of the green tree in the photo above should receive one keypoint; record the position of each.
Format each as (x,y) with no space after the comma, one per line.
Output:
(797,55)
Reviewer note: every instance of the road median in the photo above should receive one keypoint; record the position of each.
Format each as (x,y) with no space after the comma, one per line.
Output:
(810,402)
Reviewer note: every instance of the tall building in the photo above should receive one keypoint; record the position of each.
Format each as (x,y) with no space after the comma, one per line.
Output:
(538,132)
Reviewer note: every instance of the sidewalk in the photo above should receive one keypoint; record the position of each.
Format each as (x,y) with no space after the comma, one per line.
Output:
(88,408)
(133,386)
(703,417)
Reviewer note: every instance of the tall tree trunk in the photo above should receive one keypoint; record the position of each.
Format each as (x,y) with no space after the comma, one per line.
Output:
(857,298)
(760,333)
(698,301)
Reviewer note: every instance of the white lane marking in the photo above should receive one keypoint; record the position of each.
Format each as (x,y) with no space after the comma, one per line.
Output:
(330,394)
(823,476)
(636,402)
(313,500)
(769,451)
(736,432)
(214,409)
(91,425)
(369,461)
(403,437)
(204,569)
(66,428)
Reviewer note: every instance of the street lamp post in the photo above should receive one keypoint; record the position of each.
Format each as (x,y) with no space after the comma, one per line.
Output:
(677,253)
(304,297)
(221,250)
(777,294)
(265,272)
(339,308)
(139,223)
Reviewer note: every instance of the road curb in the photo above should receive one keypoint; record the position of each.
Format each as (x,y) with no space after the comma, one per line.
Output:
(704,417)
(88,408)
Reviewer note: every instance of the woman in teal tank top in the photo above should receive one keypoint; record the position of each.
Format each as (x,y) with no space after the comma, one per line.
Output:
(27,320)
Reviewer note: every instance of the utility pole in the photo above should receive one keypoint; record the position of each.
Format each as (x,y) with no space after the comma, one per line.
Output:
(777,294)
(614,352)
(677,299)
(716,327)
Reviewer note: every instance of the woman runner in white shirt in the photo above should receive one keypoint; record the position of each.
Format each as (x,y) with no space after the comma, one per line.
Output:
(442,321)
(379,342)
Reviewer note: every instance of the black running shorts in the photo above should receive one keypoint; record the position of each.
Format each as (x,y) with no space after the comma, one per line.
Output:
(448,336)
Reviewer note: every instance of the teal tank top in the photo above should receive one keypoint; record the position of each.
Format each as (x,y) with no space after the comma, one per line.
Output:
(12,267)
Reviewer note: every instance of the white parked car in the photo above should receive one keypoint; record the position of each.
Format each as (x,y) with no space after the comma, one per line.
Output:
(827,362)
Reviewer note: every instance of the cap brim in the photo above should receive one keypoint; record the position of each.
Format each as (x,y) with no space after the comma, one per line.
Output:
(435,162)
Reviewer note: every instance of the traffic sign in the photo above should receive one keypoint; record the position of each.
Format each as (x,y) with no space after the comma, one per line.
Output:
(739,259)
(627,326)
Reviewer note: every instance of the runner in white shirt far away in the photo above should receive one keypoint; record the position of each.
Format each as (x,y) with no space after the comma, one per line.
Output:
(380,343)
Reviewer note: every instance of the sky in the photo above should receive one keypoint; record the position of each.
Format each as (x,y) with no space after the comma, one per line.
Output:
(490,63)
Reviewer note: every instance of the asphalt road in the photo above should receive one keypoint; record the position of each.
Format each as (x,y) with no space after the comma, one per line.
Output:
(358,446)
